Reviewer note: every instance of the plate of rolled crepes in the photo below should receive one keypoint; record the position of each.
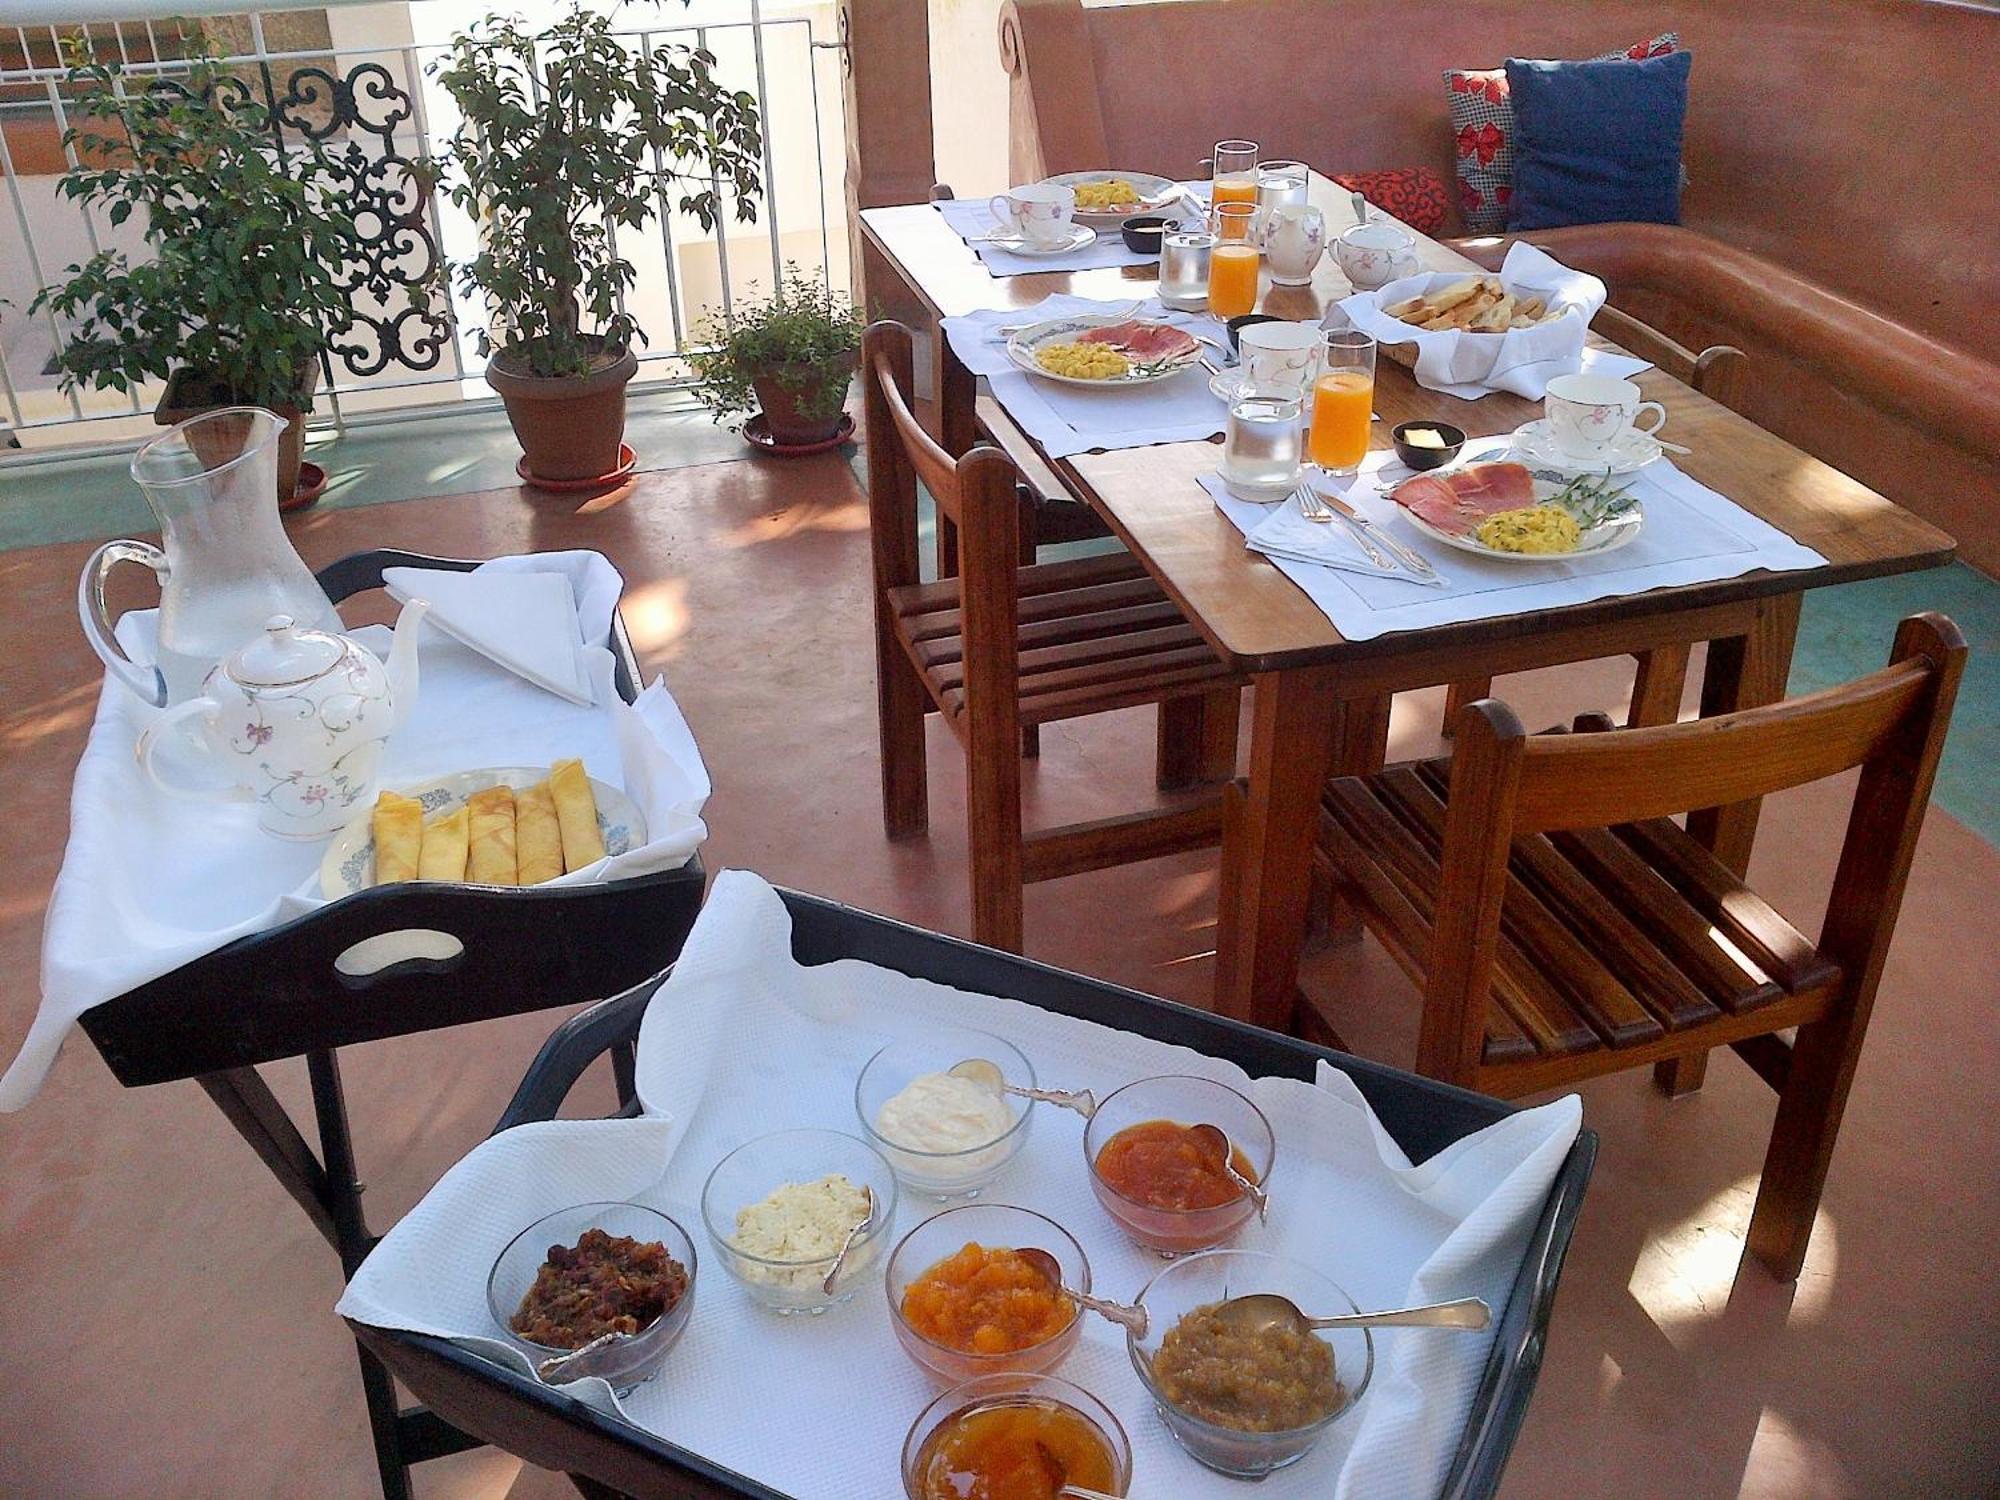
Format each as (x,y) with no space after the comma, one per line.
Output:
(508,826)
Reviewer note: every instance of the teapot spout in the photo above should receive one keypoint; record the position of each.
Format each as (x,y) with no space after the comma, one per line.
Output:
(402,663)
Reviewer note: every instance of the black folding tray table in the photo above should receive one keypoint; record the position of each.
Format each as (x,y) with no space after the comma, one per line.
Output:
(608,1457)
(277,994)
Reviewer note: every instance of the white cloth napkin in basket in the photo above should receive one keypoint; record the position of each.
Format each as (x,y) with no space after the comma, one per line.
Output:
(150,882)
(526,619)
(742,1040)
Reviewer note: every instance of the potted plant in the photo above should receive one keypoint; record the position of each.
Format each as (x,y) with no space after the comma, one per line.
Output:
(566,135)
(785,361)
(241,293)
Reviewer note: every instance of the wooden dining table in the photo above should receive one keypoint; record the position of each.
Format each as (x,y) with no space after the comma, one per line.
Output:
(1321,702)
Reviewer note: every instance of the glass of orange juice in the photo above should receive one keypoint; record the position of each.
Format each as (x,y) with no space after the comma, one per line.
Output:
(1233,178)
(1232,277)
(1343,401)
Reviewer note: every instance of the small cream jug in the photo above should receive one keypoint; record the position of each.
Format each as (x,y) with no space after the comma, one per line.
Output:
(297,719)
(1294,238)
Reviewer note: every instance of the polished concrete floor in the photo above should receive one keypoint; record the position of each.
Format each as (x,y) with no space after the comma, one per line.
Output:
(166,1311)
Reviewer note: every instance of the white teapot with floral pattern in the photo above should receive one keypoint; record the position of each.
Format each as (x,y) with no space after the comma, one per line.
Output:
(297,718)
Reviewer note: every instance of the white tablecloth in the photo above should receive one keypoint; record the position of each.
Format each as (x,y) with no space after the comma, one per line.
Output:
(741,1040)
(1067,419)
(1691,535)
(150,882)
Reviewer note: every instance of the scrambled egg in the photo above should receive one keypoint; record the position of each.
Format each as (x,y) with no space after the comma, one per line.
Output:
(1109,194)
(1538,528)
(1082,361)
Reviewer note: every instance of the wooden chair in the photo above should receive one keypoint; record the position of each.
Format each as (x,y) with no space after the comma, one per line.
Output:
(1004,646)
(1562,926)
(1661,677)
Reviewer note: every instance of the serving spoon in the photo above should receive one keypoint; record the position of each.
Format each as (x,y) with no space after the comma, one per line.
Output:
(987,1074)
(1261,1311)
(867,1217)
(1130,1318)
(561,1369)
(1216,1144)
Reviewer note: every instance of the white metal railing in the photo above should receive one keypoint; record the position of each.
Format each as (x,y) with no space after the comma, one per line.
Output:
(377,109)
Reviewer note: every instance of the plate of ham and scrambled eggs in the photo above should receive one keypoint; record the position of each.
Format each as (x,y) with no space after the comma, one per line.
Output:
(1105,199)
(1103,351)
(1511,513)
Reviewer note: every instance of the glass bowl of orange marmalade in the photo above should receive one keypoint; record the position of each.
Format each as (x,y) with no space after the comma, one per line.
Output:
(1151,1173)
(1006,1435)
(964,1304)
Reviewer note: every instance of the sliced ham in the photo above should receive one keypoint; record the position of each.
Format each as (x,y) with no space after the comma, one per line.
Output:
(1142,341)
(1459,501)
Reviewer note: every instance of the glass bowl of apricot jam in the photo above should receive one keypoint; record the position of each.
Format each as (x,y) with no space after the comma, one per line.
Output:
(1003,1435)
(1164,1184)
(965,1304)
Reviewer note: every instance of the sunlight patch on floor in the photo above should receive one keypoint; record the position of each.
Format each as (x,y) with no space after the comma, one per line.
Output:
(1685,1272)
(656,615)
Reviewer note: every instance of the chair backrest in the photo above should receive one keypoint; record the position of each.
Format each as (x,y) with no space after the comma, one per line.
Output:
(976,493)
(1507,784)
(1708,372)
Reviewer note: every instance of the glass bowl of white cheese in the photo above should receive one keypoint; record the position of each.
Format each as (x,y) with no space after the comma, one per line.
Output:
(945,1136)
(779,1207)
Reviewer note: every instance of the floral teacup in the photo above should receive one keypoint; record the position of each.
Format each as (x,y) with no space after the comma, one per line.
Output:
(1588,414)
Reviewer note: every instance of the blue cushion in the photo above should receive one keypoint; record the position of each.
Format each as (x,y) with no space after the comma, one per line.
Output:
(1597,142)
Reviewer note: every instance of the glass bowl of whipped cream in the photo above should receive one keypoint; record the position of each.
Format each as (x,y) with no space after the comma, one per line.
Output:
(944,1135)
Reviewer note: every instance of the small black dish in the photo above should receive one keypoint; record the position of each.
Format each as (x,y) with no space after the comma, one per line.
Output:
(1427,458)
(1144,233)
(1237,325)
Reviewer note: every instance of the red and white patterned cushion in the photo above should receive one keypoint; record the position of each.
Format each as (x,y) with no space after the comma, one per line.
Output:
(1482,125)
(1413,194)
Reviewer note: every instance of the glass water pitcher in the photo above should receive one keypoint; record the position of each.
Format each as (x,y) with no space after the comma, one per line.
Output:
(225,564)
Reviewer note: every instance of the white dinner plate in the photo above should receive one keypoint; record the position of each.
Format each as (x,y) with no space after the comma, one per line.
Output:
(1021,347)
(1155,195)
(1606,536)
(349,863)
(1537,445)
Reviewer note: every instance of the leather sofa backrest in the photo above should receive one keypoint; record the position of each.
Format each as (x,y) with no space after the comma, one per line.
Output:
(1849,140)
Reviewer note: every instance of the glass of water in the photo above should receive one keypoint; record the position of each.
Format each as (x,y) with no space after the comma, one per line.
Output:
(1260,446)
(1281,184)
(1184,266)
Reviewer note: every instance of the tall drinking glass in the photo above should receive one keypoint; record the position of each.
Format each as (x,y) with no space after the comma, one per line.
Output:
(1233,173)
(1260,446)
(1184,257)
(1232,277)
(1343,401)
(1281,184)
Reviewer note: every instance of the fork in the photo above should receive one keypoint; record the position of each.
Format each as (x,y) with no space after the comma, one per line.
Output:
(1313,506)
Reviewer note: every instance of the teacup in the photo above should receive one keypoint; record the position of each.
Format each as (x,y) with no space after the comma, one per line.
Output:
(1589,414)
(1373,255)
(1039,212)
(1279,359)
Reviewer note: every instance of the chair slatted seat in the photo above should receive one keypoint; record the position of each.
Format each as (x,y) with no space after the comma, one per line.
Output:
(1562,925)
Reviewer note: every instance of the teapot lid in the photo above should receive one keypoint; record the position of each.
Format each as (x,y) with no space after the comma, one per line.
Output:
(285,654)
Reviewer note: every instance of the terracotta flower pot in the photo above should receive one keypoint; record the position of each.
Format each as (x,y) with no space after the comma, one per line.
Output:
(788,392)
(191,392)
(569,426)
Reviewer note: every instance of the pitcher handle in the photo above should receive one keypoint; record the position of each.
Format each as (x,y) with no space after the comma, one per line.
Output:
(163,728)
(143,678)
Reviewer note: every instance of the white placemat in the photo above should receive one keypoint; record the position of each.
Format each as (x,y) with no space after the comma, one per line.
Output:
(1067,419)
(1522,360)
(741,1040)
(971,218)
(1691,535)
(150,881)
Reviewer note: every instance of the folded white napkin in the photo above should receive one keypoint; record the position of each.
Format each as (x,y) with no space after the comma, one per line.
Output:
(972,218)
(1285,532)
(1691,535)
(742,1040)
(150,882)
(525,621)
(1068,419)
(1522,360)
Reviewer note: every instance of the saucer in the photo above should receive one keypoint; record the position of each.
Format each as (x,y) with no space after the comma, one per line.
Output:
(1080,236)
(1537,445)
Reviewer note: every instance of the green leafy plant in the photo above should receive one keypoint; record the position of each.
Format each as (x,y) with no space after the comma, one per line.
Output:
(568,136)
(247,244)
(803,336)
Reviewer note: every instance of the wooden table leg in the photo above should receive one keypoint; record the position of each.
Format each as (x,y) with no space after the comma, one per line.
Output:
(1267,855)
(1745,671)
